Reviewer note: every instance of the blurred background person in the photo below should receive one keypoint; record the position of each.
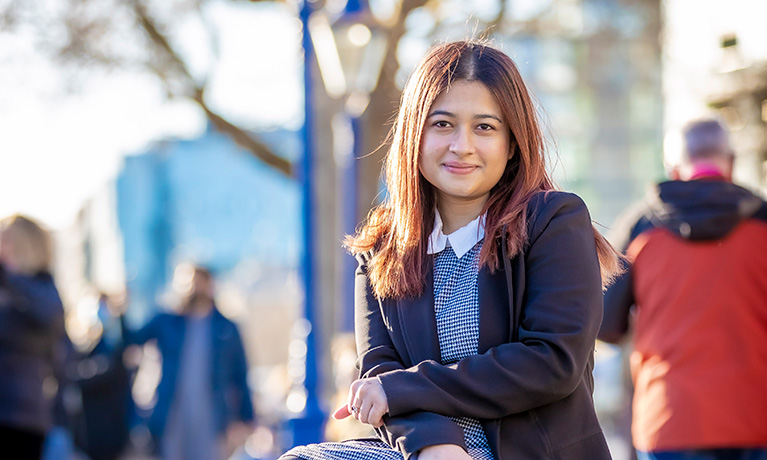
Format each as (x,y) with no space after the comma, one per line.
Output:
(31,329)
(204,409)
(697,286)
(59,440)
(101,428)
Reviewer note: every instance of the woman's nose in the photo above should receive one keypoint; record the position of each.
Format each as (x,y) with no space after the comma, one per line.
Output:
(462,142)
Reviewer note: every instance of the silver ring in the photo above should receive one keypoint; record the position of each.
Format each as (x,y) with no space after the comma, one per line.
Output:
(354,409)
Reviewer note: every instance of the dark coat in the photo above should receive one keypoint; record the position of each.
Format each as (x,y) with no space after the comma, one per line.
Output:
(228,373)
(31,328)
(102,429)
(534,396)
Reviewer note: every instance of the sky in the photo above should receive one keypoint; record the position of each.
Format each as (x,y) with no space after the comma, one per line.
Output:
(58,149)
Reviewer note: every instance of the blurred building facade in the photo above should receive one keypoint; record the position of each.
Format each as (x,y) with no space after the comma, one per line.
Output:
(595,67)
(206,201)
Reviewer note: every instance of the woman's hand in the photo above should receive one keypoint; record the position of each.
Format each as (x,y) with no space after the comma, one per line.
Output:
(443,452)
(367,402)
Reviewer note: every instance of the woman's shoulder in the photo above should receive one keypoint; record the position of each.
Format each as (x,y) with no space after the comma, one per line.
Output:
(555,205)
(551,201)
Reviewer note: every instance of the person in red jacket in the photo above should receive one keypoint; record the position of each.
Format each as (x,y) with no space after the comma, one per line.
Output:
(695,296)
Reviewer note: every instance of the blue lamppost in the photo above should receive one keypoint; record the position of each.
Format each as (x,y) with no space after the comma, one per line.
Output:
(350,59)
(350,54)
(307,423)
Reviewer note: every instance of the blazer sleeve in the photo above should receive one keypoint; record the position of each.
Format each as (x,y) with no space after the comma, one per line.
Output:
(408,433)
(375,350)
(561,315)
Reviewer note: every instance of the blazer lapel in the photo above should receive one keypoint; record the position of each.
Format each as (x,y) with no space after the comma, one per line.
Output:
(494,309)
(518,282)
(418,323)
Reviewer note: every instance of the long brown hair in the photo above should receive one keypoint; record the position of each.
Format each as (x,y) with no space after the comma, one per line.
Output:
(397,230)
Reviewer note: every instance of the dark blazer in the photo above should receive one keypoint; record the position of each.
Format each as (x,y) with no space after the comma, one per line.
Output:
(228,373)
(534,396)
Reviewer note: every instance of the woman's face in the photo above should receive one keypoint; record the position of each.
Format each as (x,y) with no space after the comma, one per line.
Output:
(465,143)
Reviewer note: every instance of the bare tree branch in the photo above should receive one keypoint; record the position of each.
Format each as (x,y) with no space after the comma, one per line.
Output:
(496,23)
(160,40)
(196,93)
(245,140)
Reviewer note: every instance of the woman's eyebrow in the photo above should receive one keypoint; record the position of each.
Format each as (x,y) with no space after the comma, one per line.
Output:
(441,112)
(487,115)
(476,117)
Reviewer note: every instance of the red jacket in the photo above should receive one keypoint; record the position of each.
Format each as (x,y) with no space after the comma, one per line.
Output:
(698,281)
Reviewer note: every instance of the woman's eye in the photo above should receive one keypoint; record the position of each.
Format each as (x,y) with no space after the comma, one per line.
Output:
(441,124)
(485,127)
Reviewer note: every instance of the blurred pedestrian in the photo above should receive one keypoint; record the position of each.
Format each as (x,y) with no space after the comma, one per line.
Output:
(479,293)
(104,383)
(203,407)
(31,329)
(59,439)
(697,287)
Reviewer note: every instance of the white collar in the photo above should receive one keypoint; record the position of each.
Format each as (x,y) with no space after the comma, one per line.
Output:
(461,240)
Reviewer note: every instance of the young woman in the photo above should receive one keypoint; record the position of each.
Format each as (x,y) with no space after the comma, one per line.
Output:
(479,295)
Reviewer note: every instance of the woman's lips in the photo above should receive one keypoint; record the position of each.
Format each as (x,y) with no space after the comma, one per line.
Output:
(459,168)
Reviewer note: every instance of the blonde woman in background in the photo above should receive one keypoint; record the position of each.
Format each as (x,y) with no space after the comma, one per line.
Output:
(31,326)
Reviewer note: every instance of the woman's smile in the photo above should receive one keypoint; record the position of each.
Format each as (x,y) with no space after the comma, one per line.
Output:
(455,167)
